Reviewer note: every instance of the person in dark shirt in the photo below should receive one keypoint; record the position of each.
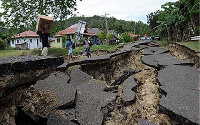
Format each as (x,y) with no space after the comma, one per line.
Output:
(45,43)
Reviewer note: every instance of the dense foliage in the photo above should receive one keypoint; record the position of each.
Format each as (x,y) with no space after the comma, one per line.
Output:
(56,52)
(21,14)
(125,37)
(177,21)
(120,26)
(2,44)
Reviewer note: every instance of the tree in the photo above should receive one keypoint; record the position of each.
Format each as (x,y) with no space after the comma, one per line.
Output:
(109,36)
(102,36)
(125,37)
(178,21)
(22,13)
(2,44)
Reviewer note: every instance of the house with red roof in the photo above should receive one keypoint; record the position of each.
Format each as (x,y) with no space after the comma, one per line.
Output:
(26,40)
(59,43)
(134,37)
(68,31)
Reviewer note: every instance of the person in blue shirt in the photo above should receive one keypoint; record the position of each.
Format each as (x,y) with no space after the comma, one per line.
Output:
(69,43)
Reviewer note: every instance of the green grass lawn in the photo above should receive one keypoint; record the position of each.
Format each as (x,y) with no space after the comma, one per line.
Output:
(58,51)
(11,53)
(109,48)
(162,43)
(192,45)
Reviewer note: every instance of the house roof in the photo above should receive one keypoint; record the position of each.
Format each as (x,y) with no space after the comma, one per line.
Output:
(112,32)
(26,34)
(90,34)
(68,31)
(132,35)
(94,30)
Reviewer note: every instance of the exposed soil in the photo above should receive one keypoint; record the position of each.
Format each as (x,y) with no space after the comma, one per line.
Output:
(146,100)
(144,105)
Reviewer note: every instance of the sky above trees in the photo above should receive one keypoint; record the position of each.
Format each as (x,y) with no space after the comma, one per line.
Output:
(130,10)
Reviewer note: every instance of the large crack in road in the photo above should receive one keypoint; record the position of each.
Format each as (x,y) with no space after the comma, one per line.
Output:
(146,101)
(124,88)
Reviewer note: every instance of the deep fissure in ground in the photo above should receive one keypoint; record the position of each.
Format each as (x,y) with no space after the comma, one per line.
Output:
(144,105)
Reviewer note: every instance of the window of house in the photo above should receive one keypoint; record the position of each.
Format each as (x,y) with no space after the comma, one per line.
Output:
(17,41)
(58,40)
(30,40)
(13,42)
(40,40)
(37,42)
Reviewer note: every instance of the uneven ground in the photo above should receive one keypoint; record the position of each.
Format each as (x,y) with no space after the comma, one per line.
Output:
(146,85)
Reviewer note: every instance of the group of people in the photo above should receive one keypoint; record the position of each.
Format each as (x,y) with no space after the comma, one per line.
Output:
(70,45)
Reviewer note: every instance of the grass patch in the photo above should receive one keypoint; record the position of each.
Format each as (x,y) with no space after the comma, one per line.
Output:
(192,45)
(162,43)
(56,52)
(78,50)
(109,48)
(12,53)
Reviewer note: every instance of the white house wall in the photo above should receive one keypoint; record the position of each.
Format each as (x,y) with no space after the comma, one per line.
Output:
(34,45)
(31,45)
(12,43)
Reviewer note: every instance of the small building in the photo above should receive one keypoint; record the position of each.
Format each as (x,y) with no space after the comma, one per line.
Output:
(94,32)
(59,39)
(134,37)
(26,40)
(68,31)
(114,39)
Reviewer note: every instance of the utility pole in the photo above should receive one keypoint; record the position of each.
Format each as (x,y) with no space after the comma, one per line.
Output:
(106,22)
(134,26)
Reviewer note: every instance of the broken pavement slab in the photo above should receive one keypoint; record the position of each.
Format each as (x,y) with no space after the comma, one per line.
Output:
(57,85)
(127,94)
(182,86)
(16,72)
(183,102)
(77,77)
(90,100)
(122,78)
(147,52)
(164,59)
(88,109)
(179,76)
(21,64)
(59,117)
(155,50)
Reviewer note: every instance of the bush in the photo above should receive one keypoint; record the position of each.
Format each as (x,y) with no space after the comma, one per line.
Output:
(56,52)
(125,37)
(2,44)
(36,52)
(78,50)
(10,48)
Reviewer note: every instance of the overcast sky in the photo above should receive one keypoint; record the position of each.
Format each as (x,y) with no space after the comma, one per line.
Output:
(132,10)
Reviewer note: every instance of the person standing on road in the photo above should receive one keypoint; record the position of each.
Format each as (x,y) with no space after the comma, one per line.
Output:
(69,44)
(45,43)
(87,47)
